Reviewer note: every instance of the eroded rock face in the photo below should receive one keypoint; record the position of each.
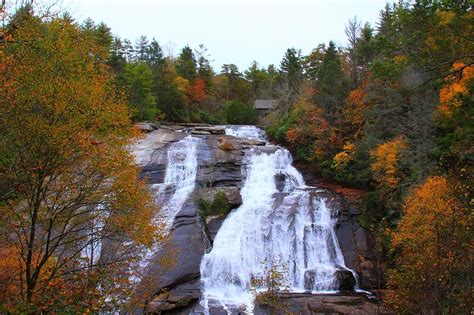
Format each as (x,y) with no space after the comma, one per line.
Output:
(220,169)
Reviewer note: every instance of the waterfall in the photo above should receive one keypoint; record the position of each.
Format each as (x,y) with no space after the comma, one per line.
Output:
(178,185)
(249,132)
(180,178)
(280,218)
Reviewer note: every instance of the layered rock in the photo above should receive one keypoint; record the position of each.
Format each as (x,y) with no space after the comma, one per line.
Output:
(220,169)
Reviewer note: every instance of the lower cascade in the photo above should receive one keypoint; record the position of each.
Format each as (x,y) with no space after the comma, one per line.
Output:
(281,222)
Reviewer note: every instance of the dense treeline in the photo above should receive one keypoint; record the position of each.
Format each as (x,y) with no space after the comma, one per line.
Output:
(392,113)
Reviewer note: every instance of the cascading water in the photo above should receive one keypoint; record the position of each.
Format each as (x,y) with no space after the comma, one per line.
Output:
(280,218)
(179,183)
(181,170)
(249,132)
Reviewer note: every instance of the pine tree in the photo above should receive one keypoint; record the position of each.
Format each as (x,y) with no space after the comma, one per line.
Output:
(186,64)
(141,48)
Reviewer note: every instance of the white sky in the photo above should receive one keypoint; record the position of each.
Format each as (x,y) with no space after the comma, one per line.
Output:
(234,31)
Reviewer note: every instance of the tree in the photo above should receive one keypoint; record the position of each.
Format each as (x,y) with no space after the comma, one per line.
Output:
(236,87)
(155,58)
(139,83)
(329,87)
(68,181)
(257,78)
(433,247)
(204,69)
(291,75)
(141,48)
(266,286)
(170,99)
(186,64)
(240,114)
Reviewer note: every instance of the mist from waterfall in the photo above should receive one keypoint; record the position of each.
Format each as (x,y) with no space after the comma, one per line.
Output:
(280,219)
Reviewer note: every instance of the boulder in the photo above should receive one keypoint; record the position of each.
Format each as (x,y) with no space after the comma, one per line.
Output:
(214,130)
(179,297)
(345,280)
(146,127)
(200,132)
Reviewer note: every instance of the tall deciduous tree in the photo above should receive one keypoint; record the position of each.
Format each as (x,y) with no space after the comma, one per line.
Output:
(434,240)
(68,181)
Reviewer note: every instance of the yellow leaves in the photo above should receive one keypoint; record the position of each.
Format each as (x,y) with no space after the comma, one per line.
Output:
(400,59)
(342,159)
(182,84)
(449,95)
(445,17)
(433,241)
(355,108)
(385,165)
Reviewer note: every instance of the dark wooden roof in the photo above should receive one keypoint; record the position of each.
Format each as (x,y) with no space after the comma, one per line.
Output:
(264,104)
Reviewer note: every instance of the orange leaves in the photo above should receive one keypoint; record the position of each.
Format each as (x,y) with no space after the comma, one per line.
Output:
(354,110)
(292,135)
(449,95)
(434,246)
(65,131)
(385,165)
(197,90)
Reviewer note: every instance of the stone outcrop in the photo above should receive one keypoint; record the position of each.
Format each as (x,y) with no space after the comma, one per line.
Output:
(220,158)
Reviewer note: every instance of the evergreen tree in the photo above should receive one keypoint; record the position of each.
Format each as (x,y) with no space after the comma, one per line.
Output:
(204,69)
(330,94)
(170,100)
(186,64)
(139,83)
(154,55)
(291,75)
(141,48)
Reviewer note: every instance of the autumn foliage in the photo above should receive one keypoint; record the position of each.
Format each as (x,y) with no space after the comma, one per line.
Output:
(386,166)
(456,86)
(434,242)
(69,186)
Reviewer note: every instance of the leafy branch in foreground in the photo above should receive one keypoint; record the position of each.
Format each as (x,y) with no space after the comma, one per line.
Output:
(70,197)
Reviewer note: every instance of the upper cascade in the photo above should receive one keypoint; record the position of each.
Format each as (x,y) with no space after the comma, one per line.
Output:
(246,131)
(281,221)
(181,170)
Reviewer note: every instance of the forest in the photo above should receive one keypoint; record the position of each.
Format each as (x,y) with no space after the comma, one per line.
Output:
(389,114)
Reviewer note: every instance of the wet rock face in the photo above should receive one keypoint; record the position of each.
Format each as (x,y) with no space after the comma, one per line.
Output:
(220,158)
(345,279)
(309,304)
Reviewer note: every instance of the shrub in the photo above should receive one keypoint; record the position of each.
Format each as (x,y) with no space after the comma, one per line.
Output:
(240,114)
(219,205)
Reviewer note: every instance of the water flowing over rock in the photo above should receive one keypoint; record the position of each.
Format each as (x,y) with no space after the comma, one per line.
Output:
(180,177)
(275,215)
(280,219)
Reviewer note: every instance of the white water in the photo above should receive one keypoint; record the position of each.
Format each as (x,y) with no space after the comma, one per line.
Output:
(288,224)
(180,178)
(179,183)
(249,132)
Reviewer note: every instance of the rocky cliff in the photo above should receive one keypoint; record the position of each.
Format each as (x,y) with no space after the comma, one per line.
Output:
(220,159)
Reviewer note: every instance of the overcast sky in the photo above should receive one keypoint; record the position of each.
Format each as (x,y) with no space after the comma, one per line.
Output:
(234,31)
